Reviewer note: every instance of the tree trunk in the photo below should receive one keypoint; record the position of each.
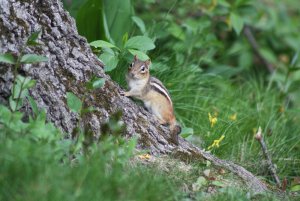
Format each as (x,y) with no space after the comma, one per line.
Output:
(72,63)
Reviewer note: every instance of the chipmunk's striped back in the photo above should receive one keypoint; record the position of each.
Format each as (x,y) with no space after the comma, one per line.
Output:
(158,86)
(153,93)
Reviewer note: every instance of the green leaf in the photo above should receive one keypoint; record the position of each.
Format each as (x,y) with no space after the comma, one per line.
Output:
(98,83)
(140,43)
(21,78)
(295,188)
(95,83)
(89,20)
(117,19)
(33,105)
(201,181)
(102,43)
(141,55)
(268,54)
(125,38)
(7,58)
(293,69)
(224,3)
(295,59)
(74,102)
(186,132)
(33,58)
(89,109)
(13,104)
(140,23)
(29,84)
(110,61)
(31,41)
(5,115)
(176,31)
(218,183)
(237,22)
(19,90)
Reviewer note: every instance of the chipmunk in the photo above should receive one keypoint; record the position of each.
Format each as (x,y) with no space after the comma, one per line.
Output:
(152,92)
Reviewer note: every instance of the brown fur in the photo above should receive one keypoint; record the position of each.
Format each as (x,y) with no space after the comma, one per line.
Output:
(153,93)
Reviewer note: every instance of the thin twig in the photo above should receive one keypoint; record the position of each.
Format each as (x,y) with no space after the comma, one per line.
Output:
(251,39)
(271,166)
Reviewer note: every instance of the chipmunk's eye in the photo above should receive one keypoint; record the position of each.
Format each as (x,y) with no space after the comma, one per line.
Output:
(131,65)
(143,68)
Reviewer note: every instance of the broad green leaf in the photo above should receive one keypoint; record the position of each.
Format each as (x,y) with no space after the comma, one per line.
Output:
(140,23)
(141,55)
(117,19)
(98,83)
(21,78)
(89,20)
(33,58)
(74,102)
(110,61)
(140,43)
(102,43)
(295,188)
(31,41)
(237,23)
(7,58)
(29,83)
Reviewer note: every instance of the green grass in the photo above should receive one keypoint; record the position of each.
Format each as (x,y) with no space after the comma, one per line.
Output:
(31,171)
(195,94)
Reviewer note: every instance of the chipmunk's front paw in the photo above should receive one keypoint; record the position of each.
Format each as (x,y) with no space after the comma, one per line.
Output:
(123,93)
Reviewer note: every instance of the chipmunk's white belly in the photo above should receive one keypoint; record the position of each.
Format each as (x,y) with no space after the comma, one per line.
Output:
(137,85)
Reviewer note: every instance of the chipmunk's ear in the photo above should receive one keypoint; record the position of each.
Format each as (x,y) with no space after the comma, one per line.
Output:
(148,63)
(135,58)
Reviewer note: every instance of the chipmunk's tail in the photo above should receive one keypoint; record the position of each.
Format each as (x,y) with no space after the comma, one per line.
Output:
(175,131)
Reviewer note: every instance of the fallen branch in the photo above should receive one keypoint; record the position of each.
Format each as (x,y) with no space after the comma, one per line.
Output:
(271,166)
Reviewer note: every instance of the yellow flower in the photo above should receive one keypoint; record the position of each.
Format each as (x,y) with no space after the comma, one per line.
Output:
(212,119)
(233,117)
(216,143)
(144,156)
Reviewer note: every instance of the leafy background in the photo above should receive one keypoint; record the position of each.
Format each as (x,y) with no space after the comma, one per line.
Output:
(211,66)
(230,66)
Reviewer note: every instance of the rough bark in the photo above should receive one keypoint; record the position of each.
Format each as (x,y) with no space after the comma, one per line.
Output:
(71,63)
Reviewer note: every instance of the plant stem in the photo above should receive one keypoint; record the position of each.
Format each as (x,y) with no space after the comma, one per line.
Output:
(17,66)
(20,93)
(271,166)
